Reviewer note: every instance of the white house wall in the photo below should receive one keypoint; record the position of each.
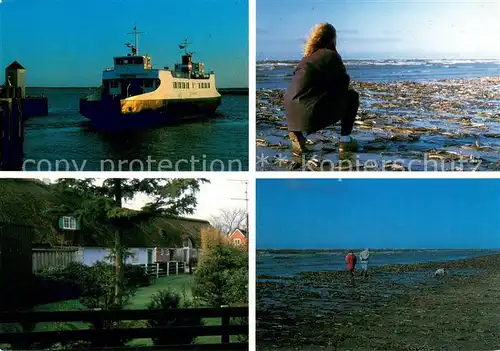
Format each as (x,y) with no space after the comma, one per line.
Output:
(91,255)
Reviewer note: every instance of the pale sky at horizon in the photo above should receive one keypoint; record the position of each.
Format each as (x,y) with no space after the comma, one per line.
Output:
(388,29)
(213,197)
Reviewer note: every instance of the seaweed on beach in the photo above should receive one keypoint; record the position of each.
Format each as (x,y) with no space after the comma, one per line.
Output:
(398,307)
(449,125)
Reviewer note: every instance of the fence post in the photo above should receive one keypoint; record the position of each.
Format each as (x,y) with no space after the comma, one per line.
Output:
(168,268)
(176,267)
(224,338)
(157,270)
(98,324)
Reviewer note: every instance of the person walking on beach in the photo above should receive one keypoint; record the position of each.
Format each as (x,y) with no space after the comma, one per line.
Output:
(350,260)
(364,256)
(319,94)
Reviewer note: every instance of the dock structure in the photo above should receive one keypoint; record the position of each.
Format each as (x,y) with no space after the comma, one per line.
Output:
(15,87)
(12,134)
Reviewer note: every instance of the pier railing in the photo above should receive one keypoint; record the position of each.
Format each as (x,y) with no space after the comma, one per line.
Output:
(97,336)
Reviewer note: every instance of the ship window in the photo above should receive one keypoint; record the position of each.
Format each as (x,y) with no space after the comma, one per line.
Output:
(208,85)
(183,85)
(199,85)
(114,83)
(137,60)
(175,85)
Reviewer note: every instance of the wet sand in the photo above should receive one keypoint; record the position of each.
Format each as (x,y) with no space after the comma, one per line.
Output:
(398,307)
(445,125)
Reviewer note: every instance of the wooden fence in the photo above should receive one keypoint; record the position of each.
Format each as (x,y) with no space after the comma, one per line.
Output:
(99,337)
(165,269)
(48,258)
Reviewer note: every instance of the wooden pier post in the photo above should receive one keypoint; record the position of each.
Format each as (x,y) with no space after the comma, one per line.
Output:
(11,134)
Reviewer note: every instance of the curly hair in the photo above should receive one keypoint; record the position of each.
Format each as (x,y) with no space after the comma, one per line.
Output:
(321,36)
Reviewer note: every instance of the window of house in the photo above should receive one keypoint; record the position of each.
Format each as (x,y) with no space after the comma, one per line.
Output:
(69,223)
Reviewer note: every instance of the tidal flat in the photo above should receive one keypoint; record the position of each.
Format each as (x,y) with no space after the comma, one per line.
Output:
(398,307)
(441,125)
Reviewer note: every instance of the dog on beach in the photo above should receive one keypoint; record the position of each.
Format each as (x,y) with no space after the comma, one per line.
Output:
(440,272)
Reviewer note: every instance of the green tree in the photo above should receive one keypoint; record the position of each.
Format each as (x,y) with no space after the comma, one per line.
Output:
(222,276)
(103,204)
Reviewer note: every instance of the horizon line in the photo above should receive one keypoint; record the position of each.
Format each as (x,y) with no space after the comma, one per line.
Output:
(385,248)
(95,87)
(377,59)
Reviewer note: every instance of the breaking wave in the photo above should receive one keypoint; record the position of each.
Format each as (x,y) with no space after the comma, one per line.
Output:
(269,65)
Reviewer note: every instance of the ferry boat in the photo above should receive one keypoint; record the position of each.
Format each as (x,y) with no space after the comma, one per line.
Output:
(134,94)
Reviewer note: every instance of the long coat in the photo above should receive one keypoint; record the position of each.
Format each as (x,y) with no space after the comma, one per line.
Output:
(316,96)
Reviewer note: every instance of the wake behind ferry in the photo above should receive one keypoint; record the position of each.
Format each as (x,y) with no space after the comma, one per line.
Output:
(134,94)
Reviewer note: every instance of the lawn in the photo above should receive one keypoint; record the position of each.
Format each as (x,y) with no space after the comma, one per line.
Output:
(182,283)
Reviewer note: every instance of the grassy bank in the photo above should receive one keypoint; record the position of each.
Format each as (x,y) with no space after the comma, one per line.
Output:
(391,310)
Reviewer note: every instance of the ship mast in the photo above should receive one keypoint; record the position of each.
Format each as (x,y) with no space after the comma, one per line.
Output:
(184,45)
(136,37)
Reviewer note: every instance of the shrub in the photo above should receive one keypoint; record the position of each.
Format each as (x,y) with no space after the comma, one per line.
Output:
(98,284)
(167,299)
(59,283)
(221,277)
(136,276)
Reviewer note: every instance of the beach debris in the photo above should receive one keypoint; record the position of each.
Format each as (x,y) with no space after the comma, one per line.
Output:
(419,118)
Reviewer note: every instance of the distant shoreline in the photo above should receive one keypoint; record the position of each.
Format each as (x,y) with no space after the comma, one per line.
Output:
(293,60)
(223,91)
(313,251)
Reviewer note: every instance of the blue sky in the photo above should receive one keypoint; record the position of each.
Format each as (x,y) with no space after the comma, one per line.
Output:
(378,213)
(382,29)
(70,42)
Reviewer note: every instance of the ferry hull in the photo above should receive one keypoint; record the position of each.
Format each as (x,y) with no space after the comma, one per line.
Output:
(112,116)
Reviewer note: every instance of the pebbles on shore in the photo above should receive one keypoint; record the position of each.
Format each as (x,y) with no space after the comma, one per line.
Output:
(455,120)
(382,312)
